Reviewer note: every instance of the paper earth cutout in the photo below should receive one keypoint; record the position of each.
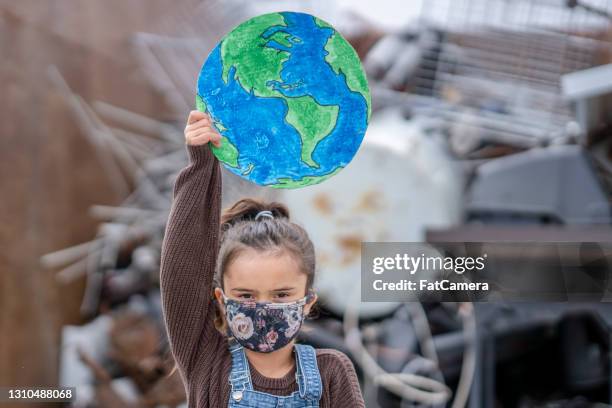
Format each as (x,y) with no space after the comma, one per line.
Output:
(290,98)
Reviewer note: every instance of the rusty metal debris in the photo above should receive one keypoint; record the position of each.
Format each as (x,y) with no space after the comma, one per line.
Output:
(141,157)
(484,75)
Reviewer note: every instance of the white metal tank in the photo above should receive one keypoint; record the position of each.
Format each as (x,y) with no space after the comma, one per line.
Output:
(399,183)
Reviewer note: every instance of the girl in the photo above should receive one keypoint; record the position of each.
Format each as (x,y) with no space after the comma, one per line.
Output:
(237,348)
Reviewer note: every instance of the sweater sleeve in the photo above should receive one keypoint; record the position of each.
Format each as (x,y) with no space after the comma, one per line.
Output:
(344,390)
(188,257)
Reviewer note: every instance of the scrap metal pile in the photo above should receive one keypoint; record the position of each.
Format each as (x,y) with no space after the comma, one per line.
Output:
(492,89)
(521,92)
(123,349)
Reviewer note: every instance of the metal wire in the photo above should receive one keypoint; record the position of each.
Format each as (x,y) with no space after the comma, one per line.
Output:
(510,54)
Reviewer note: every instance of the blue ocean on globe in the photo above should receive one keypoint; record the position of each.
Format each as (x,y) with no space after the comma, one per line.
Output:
(290,98)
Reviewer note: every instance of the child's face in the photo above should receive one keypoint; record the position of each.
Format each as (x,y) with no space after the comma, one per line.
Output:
(265,277)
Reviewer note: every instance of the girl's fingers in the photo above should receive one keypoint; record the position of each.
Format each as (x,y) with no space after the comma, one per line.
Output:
(191,133)
(204,137)
(216,142)
(200,129)
(201,141)
(199,124)
(195,115)
(197,141)
(200,132)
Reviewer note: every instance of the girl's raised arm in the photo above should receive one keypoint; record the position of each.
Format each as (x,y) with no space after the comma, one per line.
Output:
(189,250)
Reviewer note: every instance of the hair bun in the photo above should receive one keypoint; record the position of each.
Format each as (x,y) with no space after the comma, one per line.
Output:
(247,209)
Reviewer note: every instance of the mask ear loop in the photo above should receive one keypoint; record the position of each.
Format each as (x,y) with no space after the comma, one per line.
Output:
(309,297)
(223,296)
(225,299)
(306,299)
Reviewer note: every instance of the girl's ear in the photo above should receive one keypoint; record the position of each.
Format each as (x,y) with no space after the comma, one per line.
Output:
(219,296)
(220,323)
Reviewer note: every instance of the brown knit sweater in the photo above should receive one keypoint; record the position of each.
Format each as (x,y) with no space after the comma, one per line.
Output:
(188,258)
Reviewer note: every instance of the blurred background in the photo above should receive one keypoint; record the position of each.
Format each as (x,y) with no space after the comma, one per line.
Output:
(492,121)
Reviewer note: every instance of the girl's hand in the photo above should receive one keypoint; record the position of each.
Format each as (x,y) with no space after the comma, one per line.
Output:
(200,130)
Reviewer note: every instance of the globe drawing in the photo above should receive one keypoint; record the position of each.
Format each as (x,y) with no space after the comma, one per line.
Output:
(290,98)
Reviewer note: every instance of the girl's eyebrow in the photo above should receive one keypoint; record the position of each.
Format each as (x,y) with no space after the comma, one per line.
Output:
(283,289)
(242,290)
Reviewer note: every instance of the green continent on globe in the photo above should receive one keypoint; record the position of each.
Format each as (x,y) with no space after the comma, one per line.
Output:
(200,104)
(227,153)
(304,181)
(312,121)
(256,65)
(343,59)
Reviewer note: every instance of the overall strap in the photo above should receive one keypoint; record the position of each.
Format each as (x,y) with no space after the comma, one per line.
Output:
(307,373)
(240,375)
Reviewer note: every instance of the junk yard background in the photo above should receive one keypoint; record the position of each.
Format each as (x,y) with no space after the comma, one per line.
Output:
(492,121)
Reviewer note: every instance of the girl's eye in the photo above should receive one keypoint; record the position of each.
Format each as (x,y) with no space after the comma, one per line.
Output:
(245,296)
(282,295)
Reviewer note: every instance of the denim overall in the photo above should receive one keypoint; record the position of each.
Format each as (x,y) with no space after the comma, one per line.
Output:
(307,375)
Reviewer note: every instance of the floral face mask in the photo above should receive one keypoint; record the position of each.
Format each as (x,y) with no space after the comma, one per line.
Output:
(264,327)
